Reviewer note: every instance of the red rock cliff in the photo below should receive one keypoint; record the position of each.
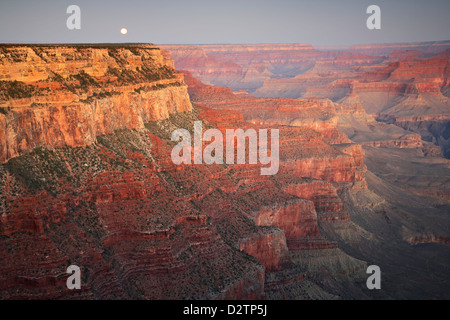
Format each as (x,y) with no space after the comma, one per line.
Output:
(68,95)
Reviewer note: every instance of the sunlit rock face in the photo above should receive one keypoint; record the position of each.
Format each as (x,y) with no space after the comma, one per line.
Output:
(87,179)
(403,84)
(68,95)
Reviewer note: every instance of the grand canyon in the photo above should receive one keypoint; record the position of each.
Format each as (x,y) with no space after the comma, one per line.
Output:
(86,176)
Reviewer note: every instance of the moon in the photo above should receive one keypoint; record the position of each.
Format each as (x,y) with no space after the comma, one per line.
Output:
(123,31)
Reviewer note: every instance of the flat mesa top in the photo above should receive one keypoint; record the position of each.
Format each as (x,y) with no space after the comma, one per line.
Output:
(84,45)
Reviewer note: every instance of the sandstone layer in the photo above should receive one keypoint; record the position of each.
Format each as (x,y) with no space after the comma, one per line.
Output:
(87,179)
(68,95)
(388,81)
(91,182)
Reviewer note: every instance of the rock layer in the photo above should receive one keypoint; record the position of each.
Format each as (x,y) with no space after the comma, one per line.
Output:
(76,93)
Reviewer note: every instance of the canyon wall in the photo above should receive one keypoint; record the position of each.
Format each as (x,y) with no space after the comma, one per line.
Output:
(87,179)
(394,81)
(68,95)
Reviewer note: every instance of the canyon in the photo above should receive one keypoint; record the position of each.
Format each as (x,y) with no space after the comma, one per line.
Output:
(404,84)
(391,100)
(86,178)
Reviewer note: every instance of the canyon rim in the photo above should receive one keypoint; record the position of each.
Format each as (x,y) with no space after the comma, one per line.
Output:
(87,178)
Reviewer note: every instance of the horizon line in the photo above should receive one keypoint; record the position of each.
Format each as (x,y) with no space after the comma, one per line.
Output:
(219,44)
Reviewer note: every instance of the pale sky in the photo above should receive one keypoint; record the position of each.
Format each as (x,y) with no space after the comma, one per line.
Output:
(318,22)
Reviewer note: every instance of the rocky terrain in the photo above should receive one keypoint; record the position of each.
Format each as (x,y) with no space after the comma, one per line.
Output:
(87,179)
(69,95)
(408,172)
(404,84)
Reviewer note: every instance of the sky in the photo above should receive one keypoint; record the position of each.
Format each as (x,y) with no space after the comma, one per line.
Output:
(317,22)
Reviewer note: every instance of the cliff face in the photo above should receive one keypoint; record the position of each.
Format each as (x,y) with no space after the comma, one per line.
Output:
(142,227)
(87,179)
(291,70)
(241,66)
(251,67)
(318,115)
(58,95)
(386,80)
(419,100)
(404,166)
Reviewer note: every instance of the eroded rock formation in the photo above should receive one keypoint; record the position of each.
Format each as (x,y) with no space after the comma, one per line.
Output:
(87,179)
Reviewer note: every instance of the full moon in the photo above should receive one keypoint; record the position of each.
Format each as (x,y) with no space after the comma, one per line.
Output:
(123,31)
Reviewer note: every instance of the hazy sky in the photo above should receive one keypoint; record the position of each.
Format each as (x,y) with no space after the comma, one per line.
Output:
(319,22)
